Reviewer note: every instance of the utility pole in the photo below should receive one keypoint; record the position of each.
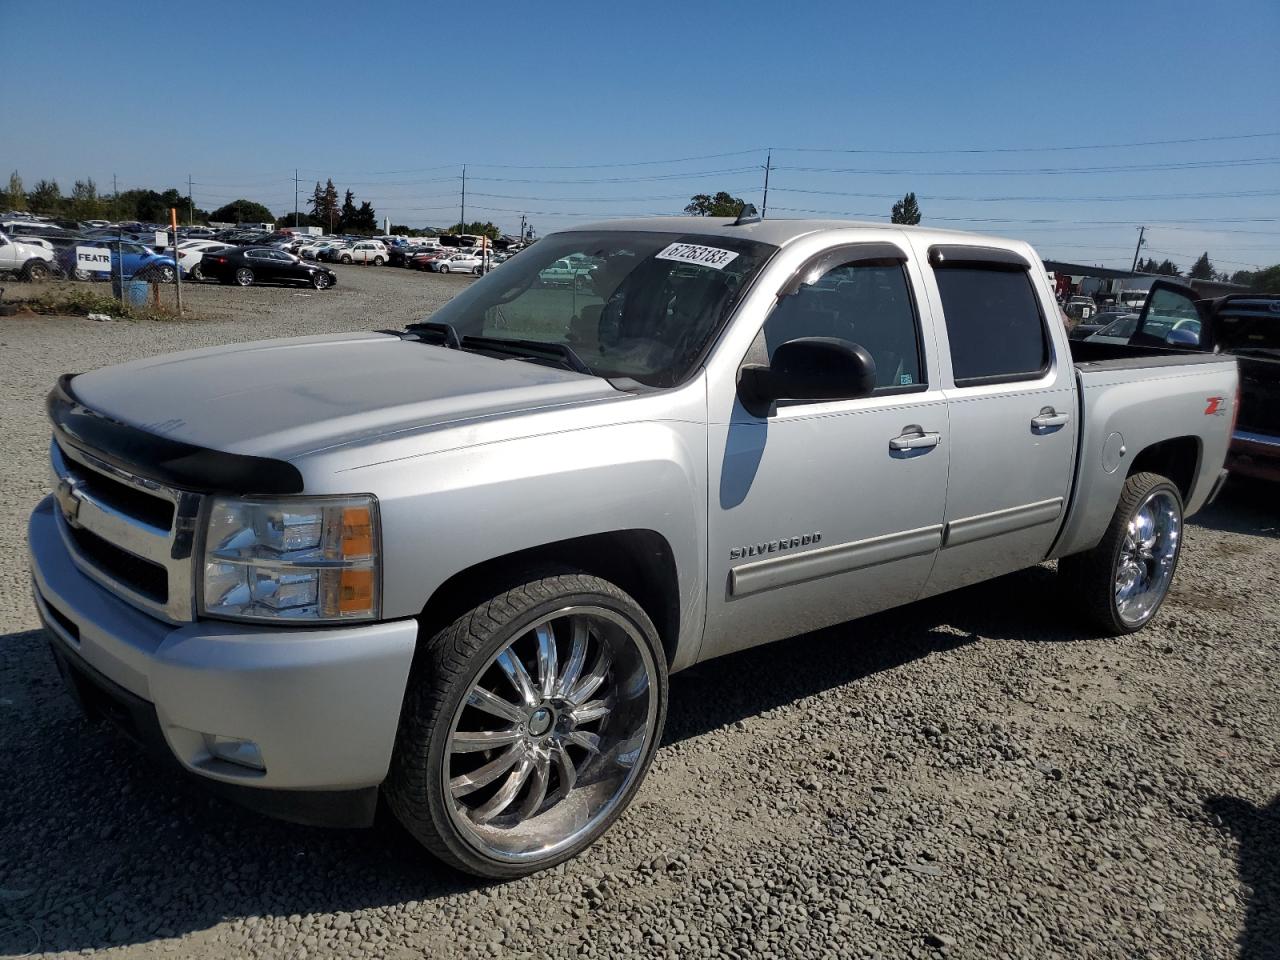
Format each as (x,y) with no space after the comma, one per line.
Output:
(768,162)
(522,228)
(1137,250)
(115,200)
(463,223)
(295,198)
(191,206)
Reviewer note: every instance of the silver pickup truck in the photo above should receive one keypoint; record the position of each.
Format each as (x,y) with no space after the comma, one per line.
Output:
(457,563)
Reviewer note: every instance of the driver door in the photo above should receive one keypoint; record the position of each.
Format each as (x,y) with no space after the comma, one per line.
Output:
(823,511)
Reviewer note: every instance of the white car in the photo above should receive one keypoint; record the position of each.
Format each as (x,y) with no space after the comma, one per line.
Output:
(309,248)
(467,262)
(29,259)
(365,251)
(190,252)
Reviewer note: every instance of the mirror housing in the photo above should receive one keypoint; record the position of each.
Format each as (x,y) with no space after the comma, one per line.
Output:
(809,368)
(1181,338)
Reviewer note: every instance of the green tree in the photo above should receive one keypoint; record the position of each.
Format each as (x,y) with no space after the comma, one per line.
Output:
(720,205)
(906,211)
(1268,280)
(365,220)
(347,215)
(242,211)
(324,206)
(1167,268)
(15,198)
(1202,269)
(477,228)
(45,198)
(1243,277)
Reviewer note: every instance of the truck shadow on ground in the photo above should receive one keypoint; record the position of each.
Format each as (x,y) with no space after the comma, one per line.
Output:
(1257,831)
(1244,506)
(100,846)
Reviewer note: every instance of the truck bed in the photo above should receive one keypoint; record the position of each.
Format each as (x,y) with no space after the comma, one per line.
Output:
(1131,399)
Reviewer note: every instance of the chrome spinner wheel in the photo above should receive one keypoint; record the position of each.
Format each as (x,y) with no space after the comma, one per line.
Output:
(551,734)
(1147,557)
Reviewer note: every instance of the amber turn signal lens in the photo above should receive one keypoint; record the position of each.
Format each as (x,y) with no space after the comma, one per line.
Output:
(357,533)
(355,595)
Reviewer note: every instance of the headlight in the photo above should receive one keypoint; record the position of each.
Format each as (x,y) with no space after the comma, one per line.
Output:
(309,559)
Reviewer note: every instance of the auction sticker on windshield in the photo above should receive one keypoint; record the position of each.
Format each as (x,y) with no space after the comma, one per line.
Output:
(694,253)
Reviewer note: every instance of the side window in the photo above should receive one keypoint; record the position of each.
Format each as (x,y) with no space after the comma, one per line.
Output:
(1168,311)
(868,303)
(993,323)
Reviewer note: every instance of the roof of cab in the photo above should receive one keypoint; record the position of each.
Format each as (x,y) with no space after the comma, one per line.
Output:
(776,232)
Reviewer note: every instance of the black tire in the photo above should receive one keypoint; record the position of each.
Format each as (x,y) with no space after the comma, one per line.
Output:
(320,280)
(166,274)
(445,670)
(35,271)
(377,261)
(443,268)
(1090,577)
(195,274)
(346,258)
(243,276)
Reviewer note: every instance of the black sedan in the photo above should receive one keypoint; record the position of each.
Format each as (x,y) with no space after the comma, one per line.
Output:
(249,265)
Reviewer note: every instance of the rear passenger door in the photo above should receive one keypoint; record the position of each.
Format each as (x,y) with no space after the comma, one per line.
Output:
(1012,412)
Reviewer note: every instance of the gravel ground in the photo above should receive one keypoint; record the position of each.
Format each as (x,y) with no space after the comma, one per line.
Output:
(971,777)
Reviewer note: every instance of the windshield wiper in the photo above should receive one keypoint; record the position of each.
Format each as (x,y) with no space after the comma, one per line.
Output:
(447,331)
(534,349)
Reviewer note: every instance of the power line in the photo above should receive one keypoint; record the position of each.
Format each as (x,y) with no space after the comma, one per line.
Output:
(1220,195)
(1077,146)
(1044,171)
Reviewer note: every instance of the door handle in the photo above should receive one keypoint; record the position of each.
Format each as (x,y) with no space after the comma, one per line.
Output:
(917,440)
(1048,417)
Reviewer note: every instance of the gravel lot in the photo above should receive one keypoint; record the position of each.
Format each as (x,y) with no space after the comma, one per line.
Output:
(971,777)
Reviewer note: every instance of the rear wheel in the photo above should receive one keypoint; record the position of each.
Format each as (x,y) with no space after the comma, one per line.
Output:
(377,261)
(81,274)
(528,726)
(1120,584)
(244,276)
(195,273)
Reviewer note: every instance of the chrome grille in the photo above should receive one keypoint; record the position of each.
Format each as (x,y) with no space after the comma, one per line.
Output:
(131,534)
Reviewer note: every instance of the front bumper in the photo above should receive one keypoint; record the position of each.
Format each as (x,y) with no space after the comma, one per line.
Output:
(1254,455)
(322,704)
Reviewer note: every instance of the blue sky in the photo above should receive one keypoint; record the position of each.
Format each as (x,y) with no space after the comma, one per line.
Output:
(391,98)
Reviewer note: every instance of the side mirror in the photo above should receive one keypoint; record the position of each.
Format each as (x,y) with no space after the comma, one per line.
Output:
(810,368)
(1182,337)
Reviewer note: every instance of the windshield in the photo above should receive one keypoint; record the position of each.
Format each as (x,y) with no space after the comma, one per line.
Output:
(639,305)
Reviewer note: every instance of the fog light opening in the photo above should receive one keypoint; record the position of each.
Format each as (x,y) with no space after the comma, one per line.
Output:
(243,753)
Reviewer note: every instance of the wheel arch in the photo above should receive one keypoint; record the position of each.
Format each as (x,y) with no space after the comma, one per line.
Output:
(641,562)
(1177,458)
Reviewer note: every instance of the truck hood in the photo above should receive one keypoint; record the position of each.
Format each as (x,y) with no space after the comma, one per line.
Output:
(289,398)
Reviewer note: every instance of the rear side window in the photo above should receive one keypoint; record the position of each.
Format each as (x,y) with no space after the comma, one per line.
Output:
(994,324)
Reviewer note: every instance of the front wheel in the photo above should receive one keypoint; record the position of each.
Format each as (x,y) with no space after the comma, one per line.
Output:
(166,274)
(320,280)
(1120,584)
(443,268)
(81,274)
(346,259)
(36,271)
(528,726)
(244,276)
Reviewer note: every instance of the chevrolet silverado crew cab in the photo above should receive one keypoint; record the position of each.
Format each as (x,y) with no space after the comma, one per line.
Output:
(456,563)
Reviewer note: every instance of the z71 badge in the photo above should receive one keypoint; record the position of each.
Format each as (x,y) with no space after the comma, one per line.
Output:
(773,546)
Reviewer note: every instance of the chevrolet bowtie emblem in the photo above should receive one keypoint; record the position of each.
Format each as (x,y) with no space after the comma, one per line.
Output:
(68,501)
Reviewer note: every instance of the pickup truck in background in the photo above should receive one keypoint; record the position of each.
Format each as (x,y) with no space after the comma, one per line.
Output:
(456,563)
(28,259)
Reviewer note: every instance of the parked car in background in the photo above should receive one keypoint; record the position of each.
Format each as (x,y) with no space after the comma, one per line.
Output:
(426,259)
(191,252)
(332,251)
(466,261)
(246,266)
(566,272)
(29,259)
(1157,329)
(138,261)
(1247,326)
(1087,328)
(365,251)
(1080,308)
